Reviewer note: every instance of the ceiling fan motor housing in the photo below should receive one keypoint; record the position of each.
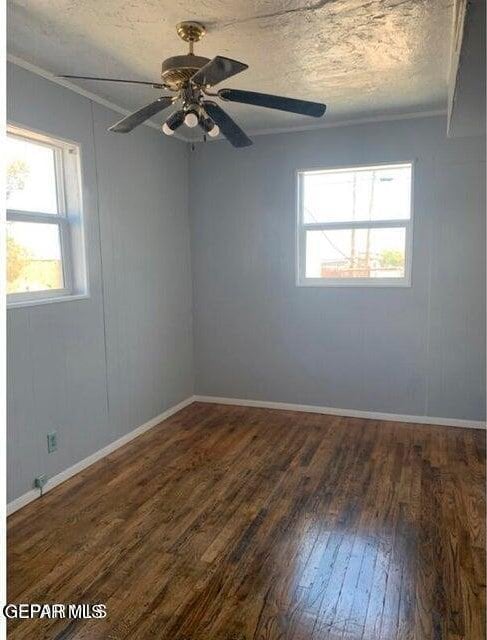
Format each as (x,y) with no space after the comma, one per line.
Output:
(177,71)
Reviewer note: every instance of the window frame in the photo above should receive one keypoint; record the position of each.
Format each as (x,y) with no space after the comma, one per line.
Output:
(302,227)
(63,219)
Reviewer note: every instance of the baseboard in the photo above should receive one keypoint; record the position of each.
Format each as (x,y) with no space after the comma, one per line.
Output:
(350,413)
(56,480)
(28,497)
(22,500)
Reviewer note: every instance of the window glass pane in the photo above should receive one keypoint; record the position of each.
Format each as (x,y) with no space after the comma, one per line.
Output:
(31,176)
(380,193)
(356,253)
(33,257)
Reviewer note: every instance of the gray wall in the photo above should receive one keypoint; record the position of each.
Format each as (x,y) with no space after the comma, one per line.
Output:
(417,351)
(95,369)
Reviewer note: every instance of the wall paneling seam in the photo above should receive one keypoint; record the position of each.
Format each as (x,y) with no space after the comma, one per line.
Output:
(102,276)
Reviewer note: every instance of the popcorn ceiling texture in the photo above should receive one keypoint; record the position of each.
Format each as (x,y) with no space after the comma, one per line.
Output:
(380,57)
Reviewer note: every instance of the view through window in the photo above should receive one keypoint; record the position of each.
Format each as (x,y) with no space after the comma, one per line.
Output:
(355,225)
(38,225)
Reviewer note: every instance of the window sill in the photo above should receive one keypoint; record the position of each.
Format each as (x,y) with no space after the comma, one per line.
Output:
(365,284)
(16,304)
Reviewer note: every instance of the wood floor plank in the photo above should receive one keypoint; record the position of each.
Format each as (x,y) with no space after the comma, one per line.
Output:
(234,523)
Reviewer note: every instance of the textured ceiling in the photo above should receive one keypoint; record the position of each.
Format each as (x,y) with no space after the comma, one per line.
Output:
(363,58)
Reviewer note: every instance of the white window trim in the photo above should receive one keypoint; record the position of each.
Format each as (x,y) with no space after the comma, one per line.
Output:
(62,219)
(302,227)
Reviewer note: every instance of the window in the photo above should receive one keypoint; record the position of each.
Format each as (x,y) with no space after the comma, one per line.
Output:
(354,226)
(44,228)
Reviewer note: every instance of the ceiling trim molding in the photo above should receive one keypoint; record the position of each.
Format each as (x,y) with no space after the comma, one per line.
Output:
(43,73)
(341,123)
(351,123)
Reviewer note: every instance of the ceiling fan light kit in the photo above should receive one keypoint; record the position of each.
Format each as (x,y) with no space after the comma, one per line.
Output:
(191,119)
(174,121)
(190,78)
(214,131)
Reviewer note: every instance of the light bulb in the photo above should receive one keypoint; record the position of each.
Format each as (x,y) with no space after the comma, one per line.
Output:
(167,129)
(191,119)
(214,131)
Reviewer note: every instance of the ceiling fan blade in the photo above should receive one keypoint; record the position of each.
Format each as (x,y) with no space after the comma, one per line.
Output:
(304,107)
(230,129)
(150,84)
(138,117)
(218,69)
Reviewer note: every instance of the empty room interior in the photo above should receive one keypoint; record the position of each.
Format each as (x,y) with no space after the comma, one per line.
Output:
(246,316)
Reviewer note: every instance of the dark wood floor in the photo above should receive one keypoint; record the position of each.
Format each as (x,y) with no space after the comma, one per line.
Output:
(230,523)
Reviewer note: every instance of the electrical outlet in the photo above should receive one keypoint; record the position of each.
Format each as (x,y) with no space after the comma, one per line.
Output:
(52,442)
(40,481)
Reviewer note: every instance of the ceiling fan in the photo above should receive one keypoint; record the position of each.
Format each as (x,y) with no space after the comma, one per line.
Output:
(190,78)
